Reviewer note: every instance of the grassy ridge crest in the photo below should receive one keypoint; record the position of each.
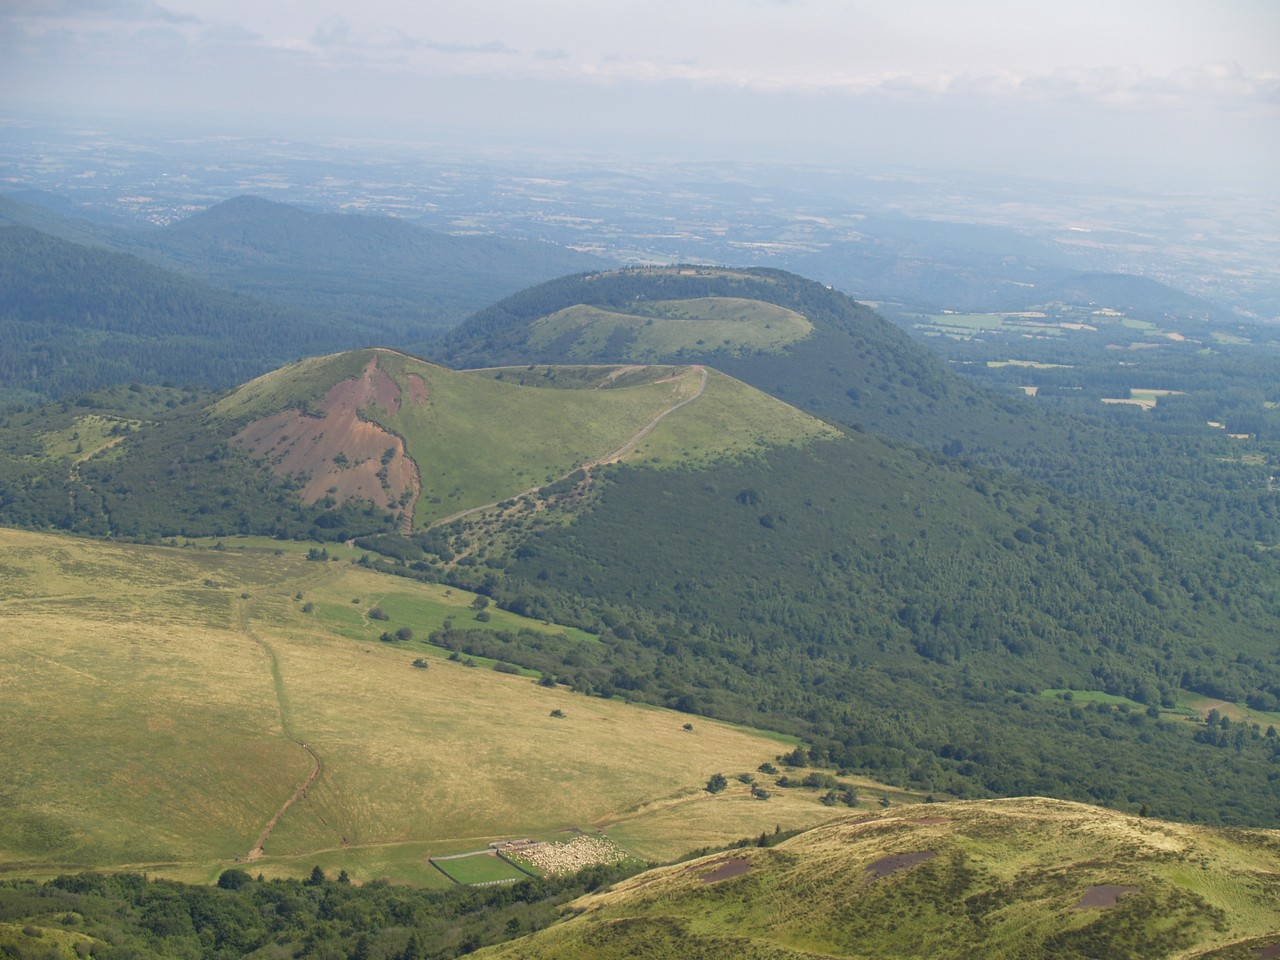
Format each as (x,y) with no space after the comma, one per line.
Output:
(1024,878)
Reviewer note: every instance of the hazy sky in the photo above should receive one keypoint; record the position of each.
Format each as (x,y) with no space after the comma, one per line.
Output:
(1120,89)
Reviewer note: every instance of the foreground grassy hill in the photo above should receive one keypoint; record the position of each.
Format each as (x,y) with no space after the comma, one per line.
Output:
(1019,879)
(1024,879)
(184,710)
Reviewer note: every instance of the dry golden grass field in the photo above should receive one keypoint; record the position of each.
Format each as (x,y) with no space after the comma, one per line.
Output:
(160,705)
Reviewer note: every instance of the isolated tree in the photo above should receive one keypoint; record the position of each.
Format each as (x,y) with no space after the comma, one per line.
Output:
(233,879)
(717,783)
(404,633)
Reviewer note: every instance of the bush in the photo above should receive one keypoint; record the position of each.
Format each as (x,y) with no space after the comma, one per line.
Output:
(377,613)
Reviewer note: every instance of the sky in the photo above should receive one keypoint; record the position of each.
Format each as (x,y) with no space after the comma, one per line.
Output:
(1170,91)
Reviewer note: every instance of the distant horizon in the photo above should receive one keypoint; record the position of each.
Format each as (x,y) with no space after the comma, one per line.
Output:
(368,136)
(1174,94)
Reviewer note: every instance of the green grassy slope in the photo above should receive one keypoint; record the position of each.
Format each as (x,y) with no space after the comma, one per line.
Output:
(162,704)
(1024,878)
(651,331)
(479,438)
(851,366)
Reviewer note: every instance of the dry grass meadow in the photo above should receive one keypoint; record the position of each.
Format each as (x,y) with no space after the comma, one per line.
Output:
(154,702)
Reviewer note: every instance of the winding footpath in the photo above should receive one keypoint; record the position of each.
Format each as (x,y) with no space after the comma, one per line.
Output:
(632,442)
(285,728)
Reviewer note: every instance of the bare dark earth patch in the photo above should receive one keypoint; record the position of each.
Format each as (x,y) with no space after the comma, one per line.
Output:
(728,869)
(899,861)
(1103,896)
(1267,953)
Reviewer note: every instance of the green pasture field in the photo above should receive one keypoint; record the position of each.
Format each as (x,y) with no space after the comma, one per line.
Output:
(662,328)
(730,419)
(85,437)
(1191,705)
(1201,705)
(162,704)
(1032,364)
(480,868)
(968,321)
(1232,339)
(422,607)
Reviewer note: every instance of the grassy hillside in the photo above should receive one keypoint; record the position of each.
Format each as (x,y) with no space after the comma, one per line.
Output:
(652,331)
(742,561)
(802,342)
(162,704)
(350,444)
(1020,878)
(473,439)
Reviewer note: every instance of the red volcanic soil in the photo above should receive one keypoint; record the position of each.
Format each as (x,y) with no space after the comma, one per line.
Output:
(1104,896)
(338,454)
(899,861)
(417,388)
